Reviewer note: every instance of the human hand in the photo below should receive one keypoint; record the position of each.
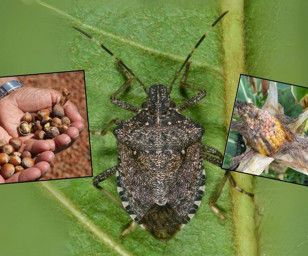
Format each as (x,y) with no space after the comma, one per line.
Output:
(12,108)
(26,99)
(33,173)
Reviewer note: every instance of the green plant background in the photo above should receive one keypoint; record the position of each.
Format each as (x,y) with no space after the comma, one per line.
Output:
(39,39)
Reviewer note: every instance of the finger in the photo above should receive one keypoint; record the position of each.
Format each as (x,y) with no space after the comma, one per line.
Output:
(37,146)
(62,141)
(78,125)
(30,174)
(2,180)
(33,99)
(46,156)
(13,178)
(44,167)
(72,112)
(72,132)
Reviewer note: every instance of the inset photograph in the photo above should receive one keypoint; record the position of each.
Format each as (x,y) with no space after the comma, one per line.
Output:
(268,131)
(44,127)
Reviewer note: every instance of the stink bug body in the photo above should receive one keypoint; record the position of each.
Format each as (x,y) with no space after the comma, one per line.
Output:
(160,174)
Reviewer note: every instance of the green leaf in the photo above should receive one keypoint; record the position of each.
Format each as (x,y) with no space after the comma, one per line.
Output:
(277,51)
(153,39)
(301,95)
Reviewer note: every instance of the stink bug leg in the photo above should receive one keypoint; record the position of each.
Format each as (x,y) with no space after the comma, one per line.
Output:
(131,227)
(194,99)
(103,176)
(217,194)
(107,127)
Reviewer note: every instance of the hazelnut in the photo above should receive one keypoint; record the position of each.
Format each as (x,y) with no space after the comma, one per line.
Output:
(65,120)
(4,158)
(27,117)
(16,153)
(58,111)
(37,126)
(40,134)
(52,132)
(56,121)
(46,127)
(19,168)
(7,170)
(26,154)
(24,128)
(45,120)
(27,162)
(8,149)
(34,116)
(2,143)
(63,128)
(42,113)
(16,143)
(15,160)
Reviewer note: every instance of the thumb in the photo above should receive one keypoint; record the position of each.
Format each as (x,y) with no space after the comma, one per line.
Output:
(30,99)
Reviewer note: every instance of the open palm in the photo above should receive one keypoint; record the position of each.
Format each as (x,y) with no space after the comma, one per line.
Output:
(26,99)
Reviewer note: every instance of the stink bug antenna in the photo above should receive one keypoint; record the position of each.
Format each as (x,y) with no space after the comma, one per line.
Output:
(119,61)
(193,50)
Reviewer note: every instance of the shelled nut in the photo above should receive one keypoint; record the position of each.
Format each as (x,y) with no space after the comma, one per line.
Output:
(8,149)
(46,123)
(15,142)
(12,161)
(24,128)
(27,162)
(4,158)
(15,160)
(7,170)
(27,117)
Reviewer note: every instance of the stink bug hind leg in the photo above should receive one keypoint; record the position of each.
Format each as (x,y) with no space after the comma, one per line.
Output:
(233,184)
(216,196)
(131,227)
(214,199)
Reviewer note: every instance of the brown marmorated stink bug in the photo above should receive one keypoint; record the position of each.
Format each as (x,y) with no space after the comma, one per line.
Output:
(160,174)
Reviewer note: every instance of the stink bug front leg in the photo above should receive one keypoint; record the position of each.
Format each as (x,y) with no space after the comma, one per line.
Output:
(217,194)
(194,99)
(127,83)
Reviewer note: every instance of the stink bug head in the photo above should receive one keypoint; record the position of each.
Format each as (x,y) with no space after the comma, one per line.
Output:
(158,101)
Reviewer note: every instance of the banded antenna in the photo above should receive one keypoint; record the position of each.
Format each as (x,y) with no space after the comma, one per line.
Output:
(112,55)
(194,49)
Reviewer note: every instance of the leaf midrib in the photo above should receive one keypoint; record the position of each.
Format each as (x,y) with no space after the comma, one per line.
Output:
(84,220)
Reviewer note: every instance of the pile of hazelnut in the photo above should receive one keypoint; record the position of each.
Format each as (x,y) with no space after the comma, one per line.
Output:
(11,160)
(46,124)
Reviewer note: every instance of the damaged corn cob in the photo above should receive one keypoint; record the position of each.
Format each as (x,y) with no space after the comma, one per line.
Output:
(262,130)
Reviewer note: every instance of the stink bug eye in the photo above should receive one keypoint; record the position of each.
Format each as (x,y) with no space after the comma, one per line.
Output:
(172,104)
(160,174)
(144,105)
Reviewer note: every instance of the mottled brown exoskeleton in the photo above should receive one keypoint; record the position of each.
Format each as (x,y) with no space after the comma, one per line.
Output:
(160,174)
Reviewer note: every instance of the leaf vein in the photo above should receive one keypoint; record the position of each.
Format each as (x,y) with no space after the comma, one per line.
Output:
(85,221)
(129,42)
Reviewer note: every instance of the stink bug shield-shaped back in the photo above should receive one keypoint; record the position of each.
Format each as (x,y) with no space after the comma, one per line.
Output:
(160,174)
